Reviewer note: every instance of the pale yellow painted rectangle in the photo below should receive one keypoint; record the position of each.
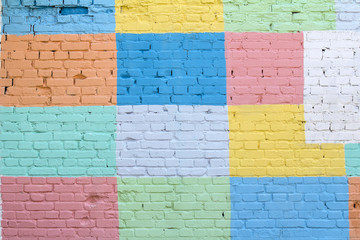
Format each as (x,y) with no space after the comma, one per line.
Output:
(169,16)
(269,140)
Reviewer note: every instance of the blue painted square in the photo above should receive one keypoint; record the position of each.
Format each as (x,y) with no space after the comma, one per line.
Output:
(289,208)
(352,159)
(47,17)
(175,68)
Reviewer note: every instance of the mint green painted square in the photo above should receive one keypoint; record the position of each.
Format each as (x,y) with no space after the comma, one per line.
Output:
(174,208)
(279,15)
(58,141)
(352,159)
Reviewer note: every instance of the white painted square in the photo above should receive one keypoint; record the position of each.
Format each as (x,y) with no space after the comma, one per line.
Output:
(172,140)
(332,86)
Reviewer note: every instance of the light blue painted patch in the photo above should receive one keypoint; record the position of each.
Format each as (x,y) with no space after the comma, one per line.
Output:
(44,17)
(291,208)
(347,15)
(175,68)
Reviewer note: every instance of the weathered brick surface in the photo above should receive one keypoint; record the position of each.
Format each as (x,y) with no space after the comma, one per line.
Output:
(264,68)
(58,141)
(23,17)
(58,70)
(59,208)
(332,86)
(172,141)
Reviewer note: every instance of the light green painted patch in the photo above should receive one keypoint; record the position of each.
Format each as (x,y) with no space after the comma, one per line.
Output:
(174,208)
(279,15)
(58,141)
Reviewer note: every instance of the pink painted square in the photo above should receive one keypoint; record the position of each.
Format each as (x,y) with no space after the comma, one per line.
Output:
(264,68)
(59,208)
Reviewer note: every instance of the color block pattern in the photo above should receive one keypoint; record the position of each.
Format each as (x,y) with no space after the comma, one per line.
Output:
(174,208)
(59,208)
(269,140)
(139,16)
(58,70)
(279,16)
(182,69)
(172,141)
(58,141)
(264,68)
(289,208)
(179,119)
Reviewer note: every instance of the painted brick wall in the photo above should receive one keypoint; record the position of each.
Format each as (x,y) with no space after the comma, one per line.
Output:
(172,140)
(190,208)
(58,16)
(59,208)
(289,208)
(180,120)
(66,141)
(183,69)
(332,84)
(53,70)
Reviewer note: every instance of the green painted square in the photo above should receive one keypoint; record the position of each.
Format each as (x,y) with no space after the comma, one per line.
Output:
(352,159)
(279,15)
(58,141)
(174,208)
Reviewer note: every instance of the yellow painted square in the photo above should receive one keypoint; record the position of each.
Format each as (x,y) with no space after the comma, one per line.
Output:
(169,16)
(269,140)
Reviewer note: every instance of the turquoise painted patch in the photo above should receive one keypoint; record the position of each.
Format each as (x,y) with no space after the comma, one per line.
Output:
(58,141)
(352,159)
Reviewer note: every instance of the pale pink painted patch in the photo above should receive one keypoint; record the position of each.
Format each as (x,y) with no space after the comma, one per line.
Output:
(264,68)
(59,208)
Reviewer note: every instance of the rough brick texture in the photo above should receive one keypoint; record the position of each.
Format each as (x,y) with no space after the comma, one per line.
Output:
(332,86)
(269,140)
(49,17)
(172,141)
(138,16)
(347,15)
(182,69)
(59,208)
(289,208)
(279,15)
(354,207)
(264,68)
(174,208)
(58,70)
(57,141)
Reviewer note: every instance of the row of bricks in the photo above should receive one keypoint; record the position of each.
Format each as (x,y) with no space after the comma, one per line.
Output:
(263,140)
(244,205)
(184,16)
